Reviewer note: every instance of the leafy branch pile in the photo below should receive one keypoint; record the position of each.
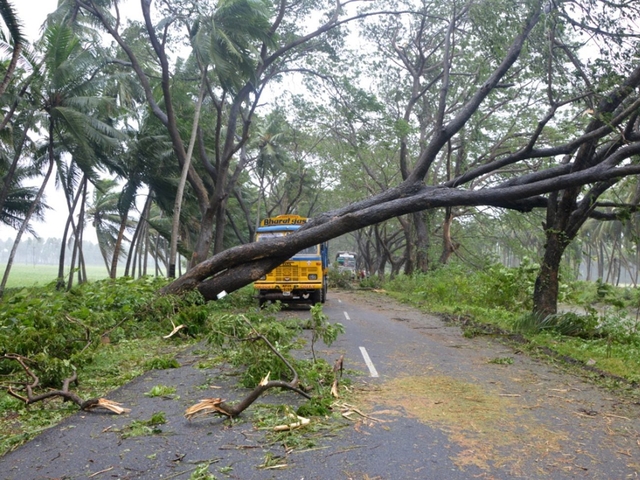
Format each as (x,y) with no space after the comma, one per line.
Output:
(264,348)
(85,342)
(59,331)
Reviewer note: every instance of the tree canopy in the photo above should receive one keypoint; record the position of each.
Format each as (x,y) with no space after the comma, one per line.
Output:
(396,121)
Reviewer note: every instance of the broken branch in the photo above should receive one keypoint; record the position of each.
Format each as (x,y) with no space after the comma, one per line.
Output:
(65,393)
(218,406)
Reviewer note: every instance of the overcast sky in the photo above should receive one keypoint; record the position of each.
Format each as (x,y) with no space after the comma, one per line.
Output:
(32,14)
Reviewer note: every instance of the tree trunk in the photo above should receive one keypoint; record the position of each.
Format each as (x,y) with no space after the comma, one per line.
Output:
(545,294)
(23,227)
(408,242)
(448,247)
(117,247)
(60,284)
(138,235)
(422,242)
(77,240)
(601,257)
(221,222)
(205,238)
(175,225)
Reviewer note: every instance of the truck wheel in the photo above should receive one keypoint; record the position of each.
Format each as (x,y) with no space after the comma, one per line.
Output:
(316,297)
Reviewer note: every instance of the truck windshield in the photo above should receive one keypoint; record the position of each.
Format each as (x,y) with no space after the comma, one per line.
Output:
(312,250)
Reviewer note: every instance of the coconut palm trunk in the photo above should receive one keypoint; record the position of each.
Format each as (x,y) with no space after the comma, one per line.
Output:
(24,226)
(175,226)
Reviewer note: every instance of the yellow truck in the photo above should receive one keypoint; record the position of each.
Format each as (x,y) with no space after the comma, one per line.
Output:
(302,278)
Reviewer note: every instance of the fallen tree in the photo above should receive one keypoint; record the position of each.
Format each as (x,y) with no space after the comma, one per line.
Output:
(559,167)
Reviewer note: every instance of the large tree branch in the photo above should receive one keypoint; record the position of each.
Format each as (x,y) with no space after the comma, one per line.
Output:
(241,265)
(442,136)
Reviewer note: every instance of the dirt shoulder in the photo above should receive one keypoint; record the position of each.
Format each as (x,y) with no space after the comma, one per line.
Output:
(504,410)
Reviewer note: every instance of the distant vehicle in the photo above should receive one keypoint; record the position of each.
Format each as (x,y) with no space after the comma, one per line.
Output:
(347,262)
(302,278)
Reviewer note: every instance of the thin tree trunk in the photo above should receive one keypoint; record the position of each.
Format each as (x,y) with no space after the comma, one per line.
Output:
(422,242)
(157,255)
(601,256)
(147,241)
(448,247)
(70,223)
(117,247)
(408,249)
(24,225)
(610,272)
(175,226)
(589,261)
(77,243)
(137,236)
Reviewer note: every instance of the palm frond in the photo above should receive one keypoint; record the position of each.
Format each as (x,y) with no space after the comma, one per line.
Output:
(13,23)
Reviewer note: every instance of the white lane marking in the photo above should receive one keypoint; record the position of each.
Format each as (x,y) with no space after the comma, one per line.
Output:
(367,360)
(339,301)
(346,315)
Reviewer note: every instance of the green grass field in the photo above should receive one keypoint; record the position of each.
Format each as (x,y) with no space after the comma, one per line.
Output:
(29,275)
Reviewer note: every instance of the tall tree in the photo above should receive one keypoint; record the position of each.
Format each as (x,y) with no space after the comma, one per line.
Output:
(74,113)
(249,43)
(611,131)
(501,188)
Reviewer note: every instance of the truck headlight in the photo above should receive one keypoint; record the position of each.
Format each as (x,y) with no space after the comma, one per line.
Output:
(263,277)
(313,276)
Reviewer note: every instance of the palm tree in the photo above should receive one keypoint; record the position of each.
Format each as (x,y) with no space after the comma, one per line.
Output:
(105,218)
(76,115)
(15,199)
(36,204)
(15,30)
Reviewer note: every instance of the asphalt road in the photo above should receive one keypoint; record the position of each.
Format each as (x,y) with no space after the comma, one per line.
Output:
(425,403)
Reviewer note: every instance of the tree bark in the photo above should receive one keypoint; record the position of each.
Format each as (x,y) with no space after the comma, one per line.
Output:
(545,294)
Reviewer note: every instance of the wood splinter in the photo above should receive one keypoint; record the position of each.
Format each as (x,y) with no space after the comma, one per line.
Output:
(175,330)
(291,426)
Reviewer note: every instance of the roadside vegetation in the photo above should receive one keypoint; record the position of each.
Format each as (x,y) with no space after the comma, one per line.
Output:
(597,324)
(111,331)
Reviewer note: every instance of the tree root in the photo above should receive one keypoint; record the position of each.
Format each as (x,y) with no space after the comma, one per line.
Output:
(65,393)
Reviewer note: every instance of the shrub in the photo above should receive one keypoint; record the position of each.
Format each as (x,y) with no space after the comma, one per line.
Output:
(568,324)
(337,279)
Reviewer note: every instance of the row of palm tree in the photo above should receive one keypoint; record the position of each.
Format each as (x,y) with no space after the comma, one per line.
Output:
(86,114)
